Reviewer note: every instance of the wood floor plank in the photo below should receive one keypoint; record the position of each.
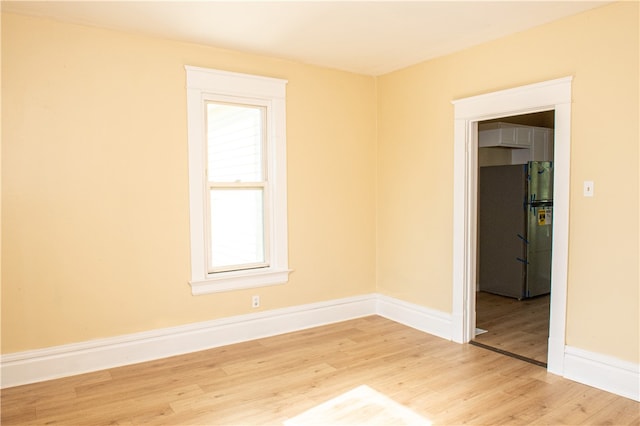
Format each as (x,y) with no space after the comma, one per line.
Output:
(516,326)
(268,381)
(618,412)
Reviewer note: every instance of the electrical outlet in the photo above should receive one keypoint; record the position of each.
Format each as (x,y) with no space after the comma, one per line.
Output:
(255,302)
(588,188)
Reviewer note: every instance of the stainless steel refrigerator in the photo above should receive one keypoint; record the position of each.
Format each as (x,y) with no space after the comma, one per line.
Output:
(515,224)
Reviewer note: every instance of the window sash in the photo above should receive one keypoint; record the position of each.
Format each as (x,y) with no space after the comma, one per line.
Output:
(236,135)
(254,237)
(216,181)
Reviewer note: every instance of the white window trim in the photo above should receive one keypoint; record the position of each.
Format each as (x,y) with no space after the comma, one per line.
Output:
(203,83)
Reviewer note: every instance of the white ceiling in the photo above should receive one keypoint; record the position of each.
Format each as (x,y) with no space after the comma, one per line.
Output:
(367,37)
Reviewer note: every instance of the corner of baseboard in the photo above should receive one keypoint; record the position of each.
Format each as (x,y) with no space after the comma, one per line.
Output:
(415,316)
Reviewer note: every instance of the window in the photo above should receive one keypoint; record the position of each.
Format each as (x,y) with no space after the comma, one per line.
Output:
(237,180)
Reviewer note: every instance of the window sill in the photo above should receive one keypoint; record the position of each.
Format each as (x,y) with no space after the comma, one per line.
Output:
(237,280)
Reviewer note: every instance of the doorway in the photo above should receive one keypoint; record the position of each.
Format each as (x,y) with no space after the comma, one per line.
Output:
(515,228)
(548,95)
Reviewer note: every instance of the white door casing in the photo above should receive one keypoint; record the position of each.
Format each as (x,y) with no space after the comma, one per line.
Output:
(548,95)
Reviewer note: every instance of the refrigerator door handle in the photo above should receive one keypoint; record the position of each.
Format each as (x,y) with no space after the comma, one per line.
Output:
(523,239)
(519,259)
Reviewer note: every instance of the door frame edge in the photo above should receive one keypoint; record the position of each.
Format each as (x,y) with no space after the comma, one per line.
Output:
(544,96)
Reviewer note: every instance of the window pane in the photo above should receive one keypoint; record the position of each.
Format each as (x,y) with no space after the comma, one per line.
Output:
(237,227)
(234,142)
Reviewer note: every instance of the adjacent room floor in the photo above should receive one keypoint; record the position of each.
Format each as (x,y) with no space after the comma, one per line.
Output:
(520,327)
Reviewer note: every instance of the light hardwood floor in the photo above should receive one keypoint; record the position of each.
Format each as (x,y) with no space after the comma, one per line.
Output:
(270,380)
(517,326)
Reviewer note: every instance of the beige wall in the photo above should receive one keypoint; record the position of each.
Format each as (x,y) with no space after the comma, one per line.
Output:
(94,178)
(95,195)
(415,175)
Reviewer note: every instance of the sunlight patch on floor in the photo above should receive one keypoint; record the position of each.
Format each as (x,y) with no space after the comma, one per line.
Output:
(359,406)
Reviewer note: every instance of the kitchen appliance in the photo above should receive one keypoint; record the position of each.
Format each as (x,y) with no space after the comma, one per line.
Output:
(515,223)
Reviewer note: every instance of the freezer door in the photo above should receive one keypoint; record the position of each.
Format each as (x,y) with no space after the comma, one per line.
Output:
(540,227)
(540,181)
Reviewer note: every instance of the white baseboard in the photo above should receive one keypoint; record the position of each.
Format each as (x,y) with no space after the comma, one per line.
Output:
(415,316)
(77,358)
(602,372)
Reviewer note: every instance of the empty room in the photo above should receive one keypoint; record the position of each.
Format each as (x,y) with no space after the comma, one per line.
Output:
(237,213)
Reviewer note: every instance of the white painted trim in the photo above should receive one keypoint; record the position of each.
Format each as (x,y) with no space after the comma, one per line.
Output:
(560,247)
(541,96)
(544,96)
(234,84)
(67,360)
(236,281)
(209,84)
(415,316)
(603,372)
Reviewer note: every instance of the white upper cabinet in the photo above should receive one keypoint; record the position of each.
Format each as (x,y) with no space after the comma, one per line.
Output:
(525,143)
(504,135)
(541,148)
(542,144)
